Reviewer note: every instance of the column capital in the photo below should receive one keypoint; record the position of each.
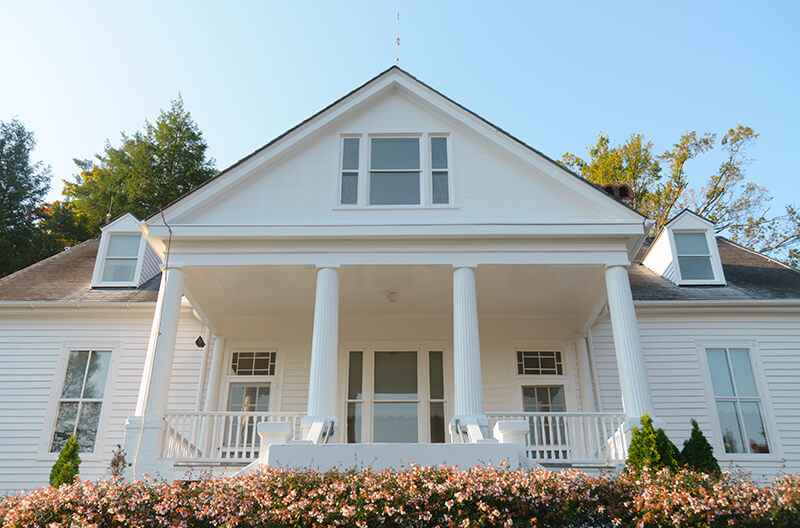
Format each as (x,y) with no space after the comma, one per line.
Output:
(334,267)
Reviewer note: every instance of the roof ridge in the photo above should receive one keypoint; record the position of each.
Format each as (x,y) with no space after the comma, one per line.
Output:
(39,263)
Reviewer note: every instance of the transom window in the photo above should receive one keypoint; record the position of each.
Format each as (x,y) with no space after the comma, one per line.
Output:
(253,364)
(539,362)
(121,258)
(694,258)
(738,403)
(81,399)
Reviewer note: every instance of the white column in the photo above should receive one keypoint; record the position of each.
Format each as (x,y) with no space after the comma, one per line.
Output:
(323,376)
(636,399)
(215,373)
(154,386)
(144,432)
(585,374)
(467,385)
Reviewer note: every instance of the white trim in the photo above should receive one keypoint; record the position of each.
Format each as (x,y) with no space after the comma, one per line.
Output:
(713,250)
(275,381)
(48,429)
(567,379)
(101,258)
(768,414)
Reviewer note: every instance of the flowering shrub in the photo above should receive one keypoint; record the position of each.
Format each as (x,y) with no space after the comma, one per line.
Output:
(415,497)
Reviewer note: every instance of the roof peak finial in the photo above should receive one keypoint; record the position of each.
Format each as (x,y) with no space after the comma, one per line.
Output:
(397,40)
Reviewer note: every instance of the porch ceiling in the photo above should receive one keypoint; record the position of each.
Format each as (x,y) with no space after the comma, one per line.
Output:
(536,290)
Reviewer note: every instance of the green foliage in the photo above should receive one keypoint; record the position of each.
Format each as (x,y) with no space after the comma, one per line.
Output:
(23,184)
(661,187)
(669,454)
(149,169)
(66,467)
(698,453)
(643,451)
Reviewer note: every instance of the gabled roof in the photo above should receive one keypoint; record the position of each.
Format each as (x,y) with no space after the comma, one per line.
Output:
(397,75)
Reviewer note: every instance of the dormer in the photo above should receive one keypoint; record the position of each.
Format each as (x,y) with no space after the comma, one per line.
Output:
(124,258)
(685,252)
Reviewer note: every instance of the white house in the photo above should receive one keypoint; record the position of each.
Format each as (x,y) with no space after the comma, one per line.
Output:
(394,280)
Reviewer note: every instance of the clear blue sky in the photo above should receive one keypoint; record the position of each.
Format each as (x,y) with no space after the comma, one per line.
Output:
(552,73)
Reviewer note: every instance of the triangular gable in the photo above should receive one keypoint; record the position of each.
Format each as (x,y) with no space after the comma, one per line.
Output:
(393,77)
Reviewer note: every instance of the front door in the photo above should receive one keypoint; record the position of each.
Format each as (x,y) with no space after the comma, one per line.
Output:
(395,396)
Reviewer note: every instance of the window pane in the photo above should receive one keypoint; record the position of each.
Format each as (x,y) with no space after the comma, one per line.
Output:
(436,375)
(437,423)
(350,154)
(395,422)
(87,425)
(742,372)
(250,397)
(236,398)
(98,373)
(439,153)
(395,154)
(262,400)
(121,270)
(720,374)
(396,376)
(353,423)
(65,425)
(754,427)
(354,378)
(349,188)
(76,368)
(440,191)
(691,243)
(731,431)
(124,246)
(696,268)
(394,188)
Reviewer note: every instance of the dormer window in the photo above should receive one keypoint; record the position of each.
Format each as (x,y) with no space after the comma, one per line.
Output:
(694,258)
(121,258)
(395,171)
(124,258)
(685,252)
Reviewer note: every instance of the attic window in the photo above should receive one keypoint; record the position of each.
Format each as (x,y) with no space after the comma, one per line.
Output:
(394,171)
(121,258)
(694,257)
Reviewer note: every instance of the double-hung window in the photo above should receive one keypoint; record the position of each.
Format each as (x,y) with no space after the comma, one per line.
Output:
(440,192)
(121,258)
(694,257)
(349,190)
(394,171)
(738,404)
(251,382)
(81,399)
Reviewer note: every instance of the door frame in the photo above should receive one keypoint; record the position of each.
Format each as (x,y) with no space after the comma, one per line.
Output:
(368,383)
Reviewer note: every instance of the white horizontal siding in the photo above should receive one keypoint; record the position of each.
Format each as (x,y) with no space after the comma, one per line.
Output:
(676,378)
(151,264)
(29,352)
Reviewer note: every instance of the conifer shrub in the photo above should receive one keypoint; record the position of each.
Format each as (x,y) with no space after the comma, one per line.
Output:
(643,451)
(66,467)
(698,454)
(669,454)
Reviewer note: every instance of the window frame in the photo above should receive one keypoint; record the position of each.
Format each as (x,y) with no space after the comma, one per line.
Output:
(59,378)
(425,172)
(102,257)
(768,415)
(713,255)
(229,379)
(566,378)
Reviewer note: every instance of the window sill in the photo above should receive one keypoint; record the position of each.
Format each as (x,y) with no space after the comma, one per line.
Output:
(749,457)
(392,207)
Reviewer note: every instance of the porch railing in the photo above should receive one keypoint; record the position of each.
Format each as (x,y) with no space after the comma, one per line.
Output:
(571,438)
(218,435)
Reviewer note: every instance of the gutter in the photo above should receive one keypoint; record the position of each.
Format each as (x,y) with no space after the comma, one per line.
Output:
(719,304)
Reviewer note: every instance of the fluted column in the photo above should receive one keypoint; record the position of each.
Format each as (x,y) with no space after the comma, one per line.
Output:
(467,385)
(154,386)
(636,399)
(215,373)
(585,374)
(323,376)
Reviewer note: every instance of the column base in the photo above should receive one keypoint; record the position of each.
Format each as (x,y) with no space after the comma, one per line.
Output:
(144,436)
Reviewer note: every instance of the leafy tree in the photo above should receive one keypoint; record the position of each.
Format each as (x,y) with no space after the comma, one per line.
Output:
(67,466)
(149,169)
(740,209)
(698,453)
(23,184)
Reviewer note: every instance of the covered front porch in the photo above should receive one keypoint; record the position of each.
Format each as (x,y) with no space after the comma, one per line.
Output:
(411,355)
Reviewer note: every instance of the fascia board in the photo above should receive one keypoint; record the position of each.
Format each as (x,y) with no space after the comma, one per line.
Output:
(735,305)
